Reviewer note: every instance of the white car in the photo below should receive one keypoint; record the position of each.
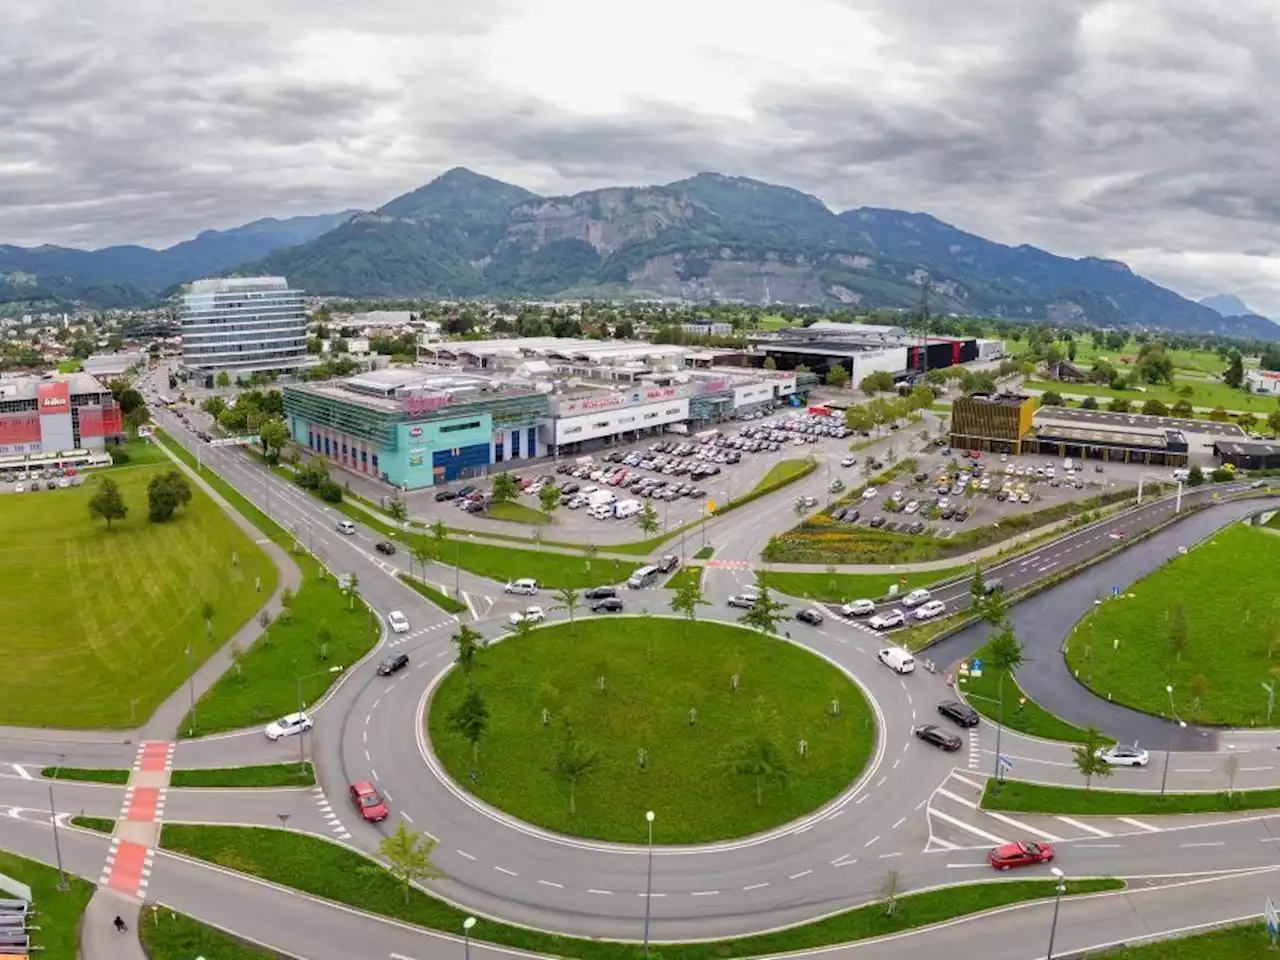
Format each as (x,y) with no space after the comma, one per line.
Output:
(847,462)
(1024,498)
(916,597)
(19,488)
(944,503)
(1120,756)
(934,608)
(289,725)
(859,608)
(883,621)
(398,621)
(869,493)
(911,507)
(896,497)
(529,614)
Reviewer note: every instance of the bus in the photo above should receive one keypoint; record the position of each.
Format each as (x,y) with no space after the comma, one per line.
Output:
(165,402)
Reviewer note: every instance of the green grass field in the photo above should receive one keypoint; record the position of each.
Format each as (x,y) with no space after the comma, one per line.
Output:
(59,935)
(845,587)
(683,576)
(441,600)
(166,935)
(1204,393)
(783,472)
(341,874)
(1228,589)
(103,616)
(655,670)
(1102,801)
(1248,942)
(518,513)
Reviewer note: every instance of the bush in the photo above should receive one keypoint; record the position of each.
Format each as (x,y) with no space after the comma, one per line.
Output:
(1051,398)
(1195,477)
(119,455)
(330,492)
(1118,405)
(1221,476)
(1154,408)
(1089,403)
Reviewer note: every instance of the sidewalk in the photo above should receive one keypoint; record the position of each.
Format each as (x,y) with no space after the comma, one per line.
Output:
(99,939)
(167,719)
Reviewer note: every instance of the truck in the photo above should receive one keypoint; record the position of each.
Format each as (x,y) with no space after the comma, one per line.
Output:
(601,497)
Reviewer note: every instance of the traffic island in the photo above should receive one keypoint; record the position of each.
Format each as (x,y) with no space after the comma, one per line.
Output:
(1022,797)
(586,726)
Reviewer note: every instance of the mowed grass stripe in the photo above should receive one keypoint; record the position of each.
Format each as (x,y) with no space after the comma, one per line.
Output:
(95,617)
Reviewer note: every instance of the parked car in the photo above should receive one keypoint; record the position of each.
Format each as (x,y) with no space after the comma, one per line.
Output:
(931,733)
(890,618)
(385,546)
(1121,756)
(600,593)
(393,664)
(1020,854)
(810,616)
(398,622)
(289,725)
(961,713)
(858,608)
(368,801)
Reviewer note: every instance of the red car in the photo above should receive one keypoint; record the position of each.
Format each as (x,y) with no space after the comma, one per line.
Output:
(1019,854)
(975,454)
(368,801)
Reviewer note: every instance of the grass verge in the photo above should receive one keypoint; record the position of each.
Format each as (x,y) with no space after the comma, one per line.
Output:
(264,684)
(166,935)
(59,935)
(336,873)
(268,775)
(97,824)
(842,587)
(551,570)
(85,774)
(783,472)
(1246,942)
(439,598)
(1041,798)
(683,576)
(518,513)
(704,553)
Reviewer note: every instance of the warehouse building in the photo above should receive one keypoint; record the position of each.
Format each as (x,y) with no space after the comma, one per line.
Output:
(864,349)
(1166,448)
(1248,454)
(993,422)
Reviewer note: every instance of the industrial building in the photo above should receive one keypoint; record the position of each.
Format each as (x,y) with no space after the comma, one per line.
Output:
(475,404)
(1249,454)
(864,349)
(57,413)
(1262,381)
(993,422)
(241,326)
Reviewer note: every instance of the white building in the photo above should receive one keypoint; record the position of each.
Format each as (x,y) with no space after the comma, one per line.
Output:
(243,325)
(1263,381)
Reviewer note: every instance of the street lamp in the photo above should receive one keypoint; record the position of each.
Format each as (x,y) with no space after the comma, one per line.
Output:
(1057,902)
(63,886)
(467,924)
(1168,744)
(302,755)
(999,725)
(648,887)
(191,689)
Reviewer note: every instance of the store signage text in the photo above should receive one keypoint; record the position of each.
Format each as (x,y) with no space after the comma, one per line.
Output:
(415,432)
(54,402)
(415,405)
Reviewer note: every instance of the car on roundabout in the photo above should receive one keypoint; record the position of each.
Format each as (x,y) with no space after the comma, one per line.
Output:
(1023,853)
(385,547)
(527,615)
(935,735)
(607,605)
(809,616)
(961,713)
(742,600)
(927,611)
(916,597)
(858,608)
(393,664)
(398,622)
(890,618)
(1122,756)
(365,797)
(288,726)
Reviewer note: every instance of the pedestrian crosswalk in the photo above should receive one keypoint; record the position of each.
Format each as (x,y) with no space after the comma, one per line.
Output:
(956,819)
(729,564)
(398,638)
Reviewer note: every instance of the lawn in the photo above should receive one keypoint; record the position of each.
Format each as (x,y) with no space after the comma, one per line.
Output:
(89,775)
(267,775)
(1228,589)
(441,600)
(264,686)
(1246,942)
(338,873)
(843,587)
(1020,712)
(1018,795)
(655,670)
(59,913)
(140,451)
(705,553)
(682,576)
(97,824)
(518,513)
(551,569)
(166,935)
(103,615)
(782,473)
(1204,393)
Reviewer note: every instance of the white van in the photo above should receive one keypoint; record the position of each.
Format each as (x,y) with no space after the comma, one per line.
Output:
(1181,475)
(643,577)
(347,527)
(602,511)
(525,587)
(627,508)
(897,660)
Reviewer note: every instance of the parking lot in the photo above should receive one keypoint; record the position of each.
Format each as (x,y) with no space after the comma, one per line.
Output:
(31,481)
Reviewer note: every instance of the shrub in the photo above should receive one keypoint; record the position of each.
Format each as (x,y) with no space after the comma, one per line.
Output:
(1221,476)
(330,492)
(1089,403)
(119,455)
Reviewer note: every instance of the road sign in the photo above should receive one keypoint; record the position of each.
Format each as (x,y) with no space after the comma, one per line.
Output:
(1004,763)
(1273,921)
(1115,590)
(236,441)
(975,669)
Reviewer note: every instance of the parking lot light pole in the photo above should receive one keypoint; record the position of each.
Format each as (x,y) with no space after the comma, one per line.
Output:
(191,690)
(1168,744)
(467,924)
(648,887)
(999,725)
(1057,902)
(302,755)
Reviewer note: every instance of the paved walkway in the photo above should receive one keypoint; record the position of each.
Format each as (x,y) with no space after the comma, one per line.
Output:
(99,939)
(167,719)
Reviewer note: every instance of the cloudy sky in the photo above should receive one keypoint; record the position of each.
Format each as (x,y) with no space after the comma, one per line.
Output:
(1137,129)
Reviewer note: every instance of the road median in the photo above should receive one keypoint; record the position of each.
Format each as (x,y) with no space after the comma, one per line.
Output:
(1019,796)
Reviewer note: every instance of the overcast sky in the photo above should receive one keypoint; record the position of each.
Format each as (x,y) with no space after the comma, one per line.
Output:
(1142,130)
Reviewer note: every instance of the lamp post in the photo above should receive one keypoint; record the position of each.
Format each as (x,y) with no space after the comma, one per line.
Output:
(53,817)
(648,887)
(302,754)
(191,690)
(1168,744)
(467,924)
(1057,902)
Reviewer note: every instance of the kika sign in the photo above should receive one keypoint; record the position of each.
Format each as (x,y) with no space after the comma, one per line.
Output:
(427,403)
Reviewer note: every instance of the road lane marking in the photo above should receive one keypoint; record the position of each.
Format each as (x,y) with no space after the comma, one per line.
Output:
(1210,843)
(966,866)
(861,798)
(406,816)
(602,893)
(1254,769)
(21,771)
(976,831)
(896,761)
(755,886)
(899,823)
(1139,824)
(1020,825)
(1098,846)
(970,783)
(871,841)
(802,873)
(943,791)
(886,856)
(1083,826)
(551,883)
(836,814)
(465,854)
(705,893)
(374,772)
(945,844)
(1192,770)
(509,873)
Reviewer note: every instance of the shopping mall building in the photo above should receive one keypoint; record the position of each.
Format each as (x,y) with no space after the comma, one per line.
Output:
(57,413)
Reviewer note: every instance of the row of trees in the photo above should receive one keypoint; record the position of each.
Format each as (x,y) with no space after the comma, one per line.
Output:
(882,411)
(165,494)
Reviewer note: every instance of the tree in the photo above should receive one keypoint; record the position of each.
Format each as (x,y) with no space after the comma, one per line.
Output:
(469,644)
(770,363)
(766,613)
(439,534)
(1218,415)
(107,503)
(274,434)
(1154,408)
(567,599)
(1005,651)
(223,379)
(647,520)
(573,761)
(1119,405)
(877,382)
(549,497)
(1234,374)
(353,584)
(1086,756)
(1247,422)
(689,597)
(505,488)
(1183,410)
(1089,403)
(858,418)
(214,406)
(470,719)
(1195,476)
(838,376)
(408,857)
(1071,351)
(1179,635)
(978,589)
(1273,422)
(165,494)
(760,758)
(891,885)
(206,614)
(1051,398)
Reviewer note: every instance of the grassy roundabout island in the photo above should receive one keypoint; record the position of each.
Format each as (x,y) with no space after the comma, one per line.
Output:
(717,763)
(1207,623)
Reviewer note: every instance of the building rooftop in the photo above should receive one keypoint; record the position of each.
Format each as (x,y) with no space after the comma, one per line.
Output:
(238,284)
(1150,439)
(1107,418)
(1003,399)
(1248,448)
(26,387)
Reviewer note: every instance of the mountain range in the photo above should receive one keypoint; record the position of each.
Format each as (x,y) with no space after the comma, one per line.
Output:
(707,237)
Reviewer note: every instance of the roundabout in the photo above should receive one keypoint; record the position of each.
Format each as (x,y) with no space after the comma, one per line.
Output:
(590,724)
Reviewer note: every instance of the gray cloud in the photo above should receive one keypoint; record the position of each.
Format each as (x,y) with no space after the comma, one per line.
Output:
(1117,128)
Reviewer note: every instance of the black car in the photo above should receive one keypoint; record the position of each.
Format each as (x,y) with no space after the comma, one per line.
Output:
(607,605)
(961,713)
(851,515)
(838,513)
(385,546)
(877,521)
(445,495)
(393,664)
(466,491)
(938,737)
(668,563)
(811,617)
(600,593)
(916,528)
